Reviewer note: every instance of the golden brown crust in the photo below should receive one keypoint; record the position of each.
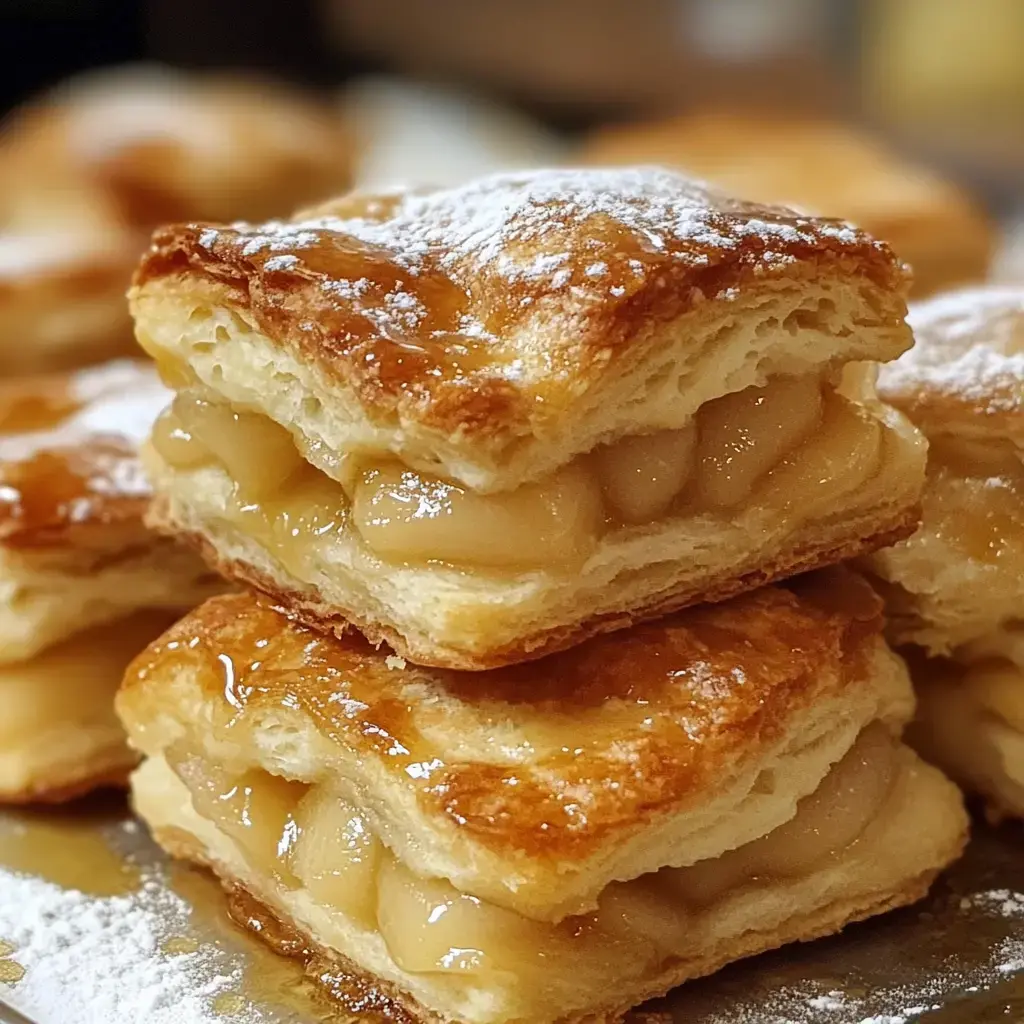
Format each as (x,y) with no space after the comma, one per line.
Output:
(824,168)
(363,994)
(88,171)
(657,716)
(493,308)
(963,376)
(306,607)
(69,465)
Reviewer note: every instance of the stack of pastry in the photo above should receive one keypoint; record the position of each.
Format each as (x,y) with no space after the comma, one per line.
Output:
(475,741)
(954,589)
(83,584)
(88,171)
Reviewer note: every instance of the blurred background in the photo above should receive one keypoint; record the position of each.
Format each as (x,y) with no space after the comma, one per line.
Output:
(947,76)
(905,115)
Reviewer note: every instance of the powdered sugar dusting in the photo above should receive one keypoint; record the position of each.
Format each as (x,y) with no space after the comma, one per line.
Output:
(600,232)
(97,960)
(118,400)
(1006,902)
(970,345)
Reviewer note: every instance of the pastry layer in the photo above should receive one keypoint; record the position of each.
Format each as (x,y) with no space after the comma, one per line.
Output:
(59,735)
(871,837)
(160,145)
(958,579)
(536,786)
(485,423)
(827,169)
(762,484)
(62,294)
(74,551)
(87,171)
(492,332)
(970,720)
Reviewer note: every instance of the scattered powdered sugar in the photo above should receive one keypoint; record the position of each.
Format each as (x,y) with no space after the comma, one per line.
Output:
(524,229)
(970,344)
(283,262)
(97,960)
(829,1001)
(1006,902)
(119,399)
(980,375)
(122,398)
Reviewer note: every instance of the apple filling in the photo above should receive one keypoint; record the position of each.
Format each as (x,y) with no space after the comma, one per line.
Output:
(307,836)
(795,445)
(975,500)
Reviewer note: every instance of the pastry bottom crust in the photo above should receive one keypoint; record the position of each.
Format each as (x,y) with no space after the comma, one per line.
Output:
(827,544)
(922,825)
(62,788)
(362,993)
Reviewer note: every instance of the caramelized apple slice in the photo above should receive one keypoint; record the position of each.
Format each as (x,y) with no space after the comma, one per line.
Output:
(254,808)
(407,517)
(641,476)
(744,435)
(336,856)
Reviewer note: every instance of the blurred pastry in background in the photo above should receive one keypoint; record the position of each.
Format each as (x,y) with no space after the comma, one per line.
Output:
(484,423)
(416,133)
(64,263)
(162,145)
(955,589)
(83,585)
(88,170)
(823,168)
(554,842)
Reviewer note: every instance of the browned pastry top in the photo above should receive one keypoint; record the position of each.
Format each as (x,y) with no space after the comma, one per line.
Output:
(549,757)
(965,373)
(820,167)
(496,304)
(68,452)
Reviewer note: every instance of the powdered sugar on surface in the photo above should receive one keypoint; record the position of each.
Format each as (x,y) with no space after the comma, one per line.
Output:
(97,960)
(481,222)
(524,230)
(116,406)
(970,344)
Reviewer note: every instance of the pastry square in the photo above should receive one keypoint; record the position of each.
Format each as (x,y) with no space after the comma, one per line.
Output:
(557,840)
(63,274)
(825,168)
(87,171)
(83,584)
(485,423)
(955,588)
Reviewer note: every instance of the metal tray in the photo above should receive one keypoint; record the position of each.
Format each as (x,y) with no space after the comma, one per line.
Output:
(956,958)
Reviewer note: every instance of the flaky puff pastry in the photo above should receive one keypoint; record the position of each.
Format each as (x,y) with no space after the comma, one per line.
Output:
(89,170)
(827,169)
(83,584)
(484,423)
(955,587)
(749,750)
